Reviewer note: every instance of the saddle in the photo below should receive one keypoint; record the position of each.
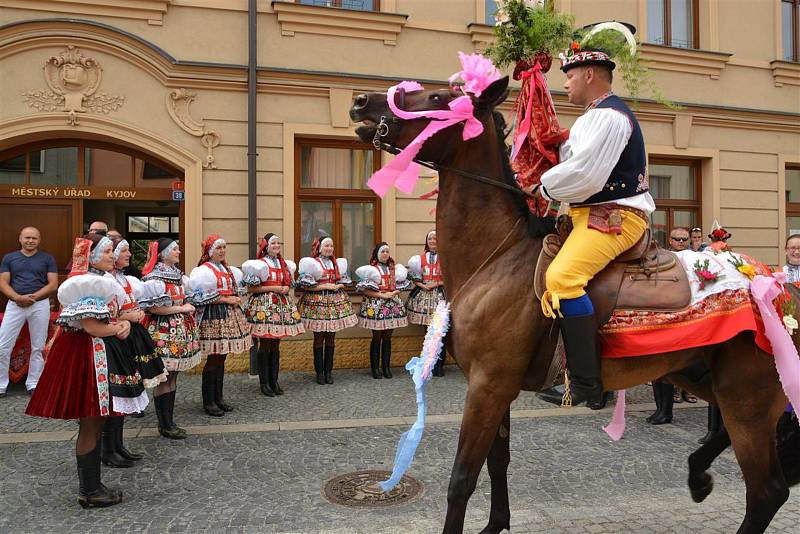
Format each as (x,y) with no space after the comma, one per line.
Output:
(645,277)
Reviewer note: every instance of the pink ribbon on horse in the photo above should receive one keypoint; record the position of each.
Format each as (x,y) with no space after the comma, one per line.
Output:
(402,171)
(764,290)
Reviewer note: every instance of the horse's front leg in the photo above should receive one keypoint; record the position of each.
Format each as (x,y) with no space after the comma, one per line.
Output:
(497,464)
(485,406)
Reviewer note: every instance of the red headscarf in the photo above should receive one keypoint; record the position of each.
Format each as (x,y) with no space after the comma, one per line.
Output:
(206,256)
(315,253)
(80,257)
(263,249)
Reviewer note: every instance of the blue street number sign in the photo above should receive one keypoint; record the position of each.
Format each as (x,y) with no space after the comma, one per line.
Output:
(178,196)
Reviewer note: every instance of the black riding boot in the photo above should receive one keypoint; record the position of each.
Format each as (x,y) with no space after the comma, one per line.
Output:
(92,493)
(375,358)
(220,379)
(714,423)
(386,358)
(274,369)
(319,367)
(666,391)
(165,404)
(263,373)
(602,404)
(583,361)
(108,445)
(659,406)
(209,388)
(121,449)
(438,368)
(328,364)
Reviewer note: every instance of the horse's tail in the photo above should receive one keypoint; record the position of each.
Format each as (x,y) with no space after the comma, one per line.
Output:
(788,435)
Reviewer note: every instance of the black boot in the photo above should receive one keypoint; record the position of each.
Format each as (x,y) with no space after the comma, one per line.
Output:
(374,359)
(438,368)
(714,423)
(553,395)
(92,493)
(274,370)
(583,361)
(386,358)
(263,373)
(220,379)
(121,449)
(165,404)
(657,398)
(328,364)
(108,445)
(209,388)
(666,390)
(600,405)
(319,365)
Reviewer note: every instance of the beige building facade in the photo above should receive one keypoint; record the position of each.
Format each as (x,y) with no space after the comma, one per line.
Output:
(159,89)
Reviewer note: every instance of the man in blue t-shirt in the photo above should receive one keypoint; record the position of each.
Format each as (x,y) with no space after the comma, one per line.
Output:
(27,278)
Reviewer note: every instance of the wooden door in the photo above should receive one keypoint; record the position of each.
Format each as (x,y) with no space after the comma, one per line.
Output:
(57,220)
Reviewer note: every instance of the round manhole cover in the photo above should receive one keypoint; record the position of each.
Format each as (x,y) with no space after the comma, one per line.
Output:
(361,489)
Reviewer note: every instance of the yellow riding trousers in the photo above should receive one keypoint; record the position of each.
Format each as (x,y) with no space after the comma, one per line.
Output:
(585,253)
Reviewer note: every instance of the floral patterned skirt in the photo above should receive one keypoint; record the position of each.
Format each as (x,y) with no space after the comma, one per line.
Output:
(422,303)
(223,329)
(143,351)
(273,316)
(176,340)
(382,314)
(327,311)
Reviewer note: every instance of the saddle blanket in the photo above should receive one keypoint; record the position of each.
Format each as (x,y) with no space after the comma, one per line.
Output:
(719,310)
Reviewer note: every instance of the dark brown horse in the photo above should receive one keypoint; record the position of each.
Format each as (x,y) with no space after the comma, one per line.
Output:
(502,349)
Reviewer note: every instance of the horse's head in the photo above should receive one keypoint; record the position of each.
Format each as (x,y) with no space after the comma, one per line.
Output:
(379,122)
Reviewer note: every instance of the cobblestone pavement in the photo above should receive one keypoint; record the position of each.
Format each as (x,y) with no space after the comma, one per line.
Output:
(232,475)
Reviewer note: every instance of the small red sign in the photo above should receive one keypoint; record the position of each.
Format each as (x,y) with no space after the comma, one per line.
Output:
(177,185)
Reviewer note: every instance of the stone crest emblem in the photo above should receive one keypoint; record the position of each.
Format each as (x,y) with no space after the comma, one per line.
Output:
(73,80)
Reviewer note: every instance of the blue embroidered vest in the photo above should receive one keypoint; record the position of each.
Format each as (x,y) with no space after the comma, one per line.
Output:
(629,176)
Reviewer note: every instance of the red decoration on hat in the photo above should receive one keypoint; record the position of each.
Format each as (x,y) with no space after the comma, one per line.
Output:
(80,257)
(152,258)
(207,242)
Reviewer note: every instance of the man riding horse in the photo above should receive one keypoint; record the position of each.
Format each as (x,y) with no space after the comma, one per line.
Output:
(603,177)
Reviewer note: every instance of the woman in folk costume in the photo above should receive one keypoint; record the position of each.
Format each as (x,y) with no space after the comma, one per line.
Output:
(221,323)
(324,307)
(89,374)
(141,350)
(426,275)
(170,322)
(382,310)
(792,267)
(270,309)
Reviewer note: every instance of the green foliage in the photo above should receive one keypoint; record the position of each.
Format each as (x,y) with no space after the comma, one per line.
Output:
(528,31)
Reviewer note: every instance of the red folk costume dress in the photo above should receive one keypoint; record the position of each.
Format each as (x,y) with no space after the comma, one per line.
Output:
(325,311)
(422,302)
(140,344)
(175,335)
(222,327)
(272,315)
(377,313)
(87,376)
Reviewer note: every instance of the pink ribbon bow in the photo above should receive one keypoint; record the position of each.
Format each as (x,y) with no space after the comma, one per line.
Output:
(402,171)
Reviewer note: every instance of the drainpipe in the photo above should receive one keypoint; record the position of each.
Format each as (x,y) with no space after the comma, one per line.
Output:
(252,216)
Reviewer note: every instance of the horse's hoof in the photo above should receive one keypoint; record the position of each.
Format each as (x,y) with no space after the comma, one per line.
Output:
(494,529)
(701,487)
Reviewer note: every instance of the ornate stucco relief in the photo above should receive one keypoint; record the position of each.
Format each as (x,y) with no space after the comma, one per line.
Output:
(73,80)
(178,101)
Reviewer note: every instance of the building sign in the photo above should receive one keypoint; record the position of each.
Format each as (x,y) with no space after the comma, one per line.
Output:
(178,196)
(72,192)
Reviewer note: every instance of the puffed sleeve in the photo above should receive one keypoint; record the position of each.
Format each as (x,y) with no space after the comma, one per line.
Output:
(204,286)
(415,268)
(86,297)
(309,272)
(344,275)
(369,278)
(187,289)
(238,277)
(152,293)
(401,280)
(255,272)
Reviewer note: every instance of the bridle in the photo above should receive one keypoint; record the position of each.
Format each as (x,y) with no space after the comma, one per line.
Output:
(382,131)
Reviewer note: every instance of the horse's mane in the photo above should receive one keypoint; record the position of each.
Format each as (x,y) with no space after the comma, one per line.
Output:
(537,226)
